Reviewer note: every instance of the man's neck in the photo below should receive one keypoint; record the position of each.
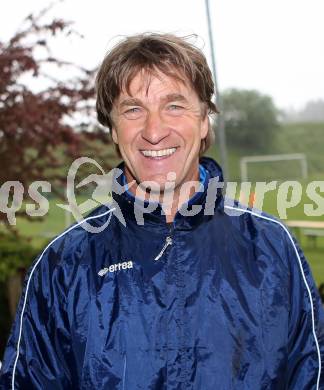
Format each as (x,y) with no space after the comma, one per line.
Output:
(170,200)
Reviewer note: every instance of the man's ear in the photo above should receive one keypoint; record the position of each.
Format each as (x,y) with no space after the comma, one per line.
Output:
(114,135)
(204,127)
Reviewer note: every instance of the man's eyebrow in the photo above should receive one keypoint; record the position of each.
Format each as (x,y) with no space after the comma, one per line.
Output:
(137,102)
(130,102)
(175,97)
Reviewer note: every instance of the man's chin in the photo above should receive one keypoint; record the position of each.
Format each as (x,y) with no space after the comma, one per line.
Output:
(155,188)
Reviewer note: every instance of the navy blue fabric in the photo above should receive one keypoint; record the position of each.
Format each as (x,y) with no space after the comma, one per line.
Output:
(226,306)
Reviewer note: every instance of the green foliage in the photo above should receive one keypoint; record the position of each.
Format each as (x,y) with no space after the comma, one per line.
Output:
(16,254)
(250,119)
(5,318)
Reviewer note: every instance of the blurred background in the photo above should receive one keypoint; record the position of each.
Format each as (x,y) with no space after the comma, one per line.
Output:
(268,59)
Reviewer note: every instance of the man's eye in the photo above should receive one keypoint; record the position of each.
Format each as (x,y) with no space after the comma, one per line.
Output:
(175,107)
(133,113)
(131,110)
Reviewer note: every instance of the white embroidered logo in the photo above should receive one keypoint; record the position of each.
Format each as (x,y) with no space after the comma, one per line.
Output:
(116,267)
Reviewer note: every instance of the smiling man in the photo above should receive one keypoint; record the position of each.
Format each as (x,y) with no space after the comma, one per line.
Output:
(199,295)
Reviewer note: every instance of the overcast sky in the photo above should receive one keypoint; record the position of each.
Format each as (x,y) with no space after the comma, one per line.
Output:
(276,47)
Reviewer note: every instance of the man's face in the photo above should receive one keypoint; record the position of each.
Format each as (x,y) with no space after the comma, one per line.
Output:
(158,128)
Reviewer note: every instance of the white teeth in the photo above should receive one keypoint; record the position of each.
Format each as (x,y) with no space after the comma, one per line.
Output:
(159,153)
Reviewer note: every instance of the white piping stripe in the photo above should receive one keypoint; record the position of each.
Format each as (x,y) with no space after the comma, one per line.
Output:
(304,278)
(30,276)
(124,373)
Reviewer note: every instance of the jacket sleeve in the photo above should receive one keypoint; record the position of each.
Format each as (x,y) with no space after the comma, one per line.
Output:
(37,353)
(306,325)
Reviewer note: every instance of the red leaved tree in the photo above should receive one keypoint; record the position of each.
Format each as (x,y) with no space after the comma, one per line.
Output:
(36,139)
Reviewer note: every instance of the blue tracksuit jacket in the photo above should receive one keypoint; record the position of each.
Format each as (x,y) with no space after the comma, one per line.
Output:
(222,301)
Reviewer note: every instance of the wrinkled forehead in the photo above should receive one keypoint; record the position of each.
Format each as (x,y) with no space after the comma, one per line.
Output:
(139,82)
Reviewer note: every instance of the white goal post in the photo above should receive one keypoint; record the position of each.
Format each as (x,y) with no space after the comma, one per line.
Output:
(244,161)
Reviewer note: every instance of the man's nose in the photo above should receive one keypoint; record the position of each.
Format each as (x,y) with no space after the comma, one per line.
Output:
(155,129)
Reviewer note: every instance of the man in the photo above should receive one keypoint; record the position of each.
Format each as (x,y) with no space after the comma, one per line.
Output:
(178,291)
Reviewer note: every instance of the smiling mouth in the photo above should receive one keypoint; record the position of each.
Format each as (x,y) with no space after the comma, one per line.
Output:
(158,153)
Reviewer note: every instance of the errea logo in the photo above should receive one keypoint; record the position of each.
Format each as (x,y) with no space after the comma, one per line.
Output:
(116,267)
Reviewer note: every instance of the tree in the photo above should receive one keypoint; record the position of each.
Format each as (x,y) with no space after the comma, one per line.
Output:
(313,111)
(36,139)
(250,119)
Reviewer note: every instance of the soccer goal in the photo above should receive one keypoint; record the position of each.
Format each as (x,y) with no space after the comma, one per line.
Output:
(300,157)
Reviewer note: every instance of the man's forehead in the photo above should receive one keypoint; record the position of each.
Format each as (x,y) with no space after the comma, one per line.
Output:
(167,87)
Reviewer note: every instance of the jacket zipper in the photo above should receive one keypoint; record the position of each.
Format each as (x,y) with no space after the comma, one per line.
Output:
(168,241)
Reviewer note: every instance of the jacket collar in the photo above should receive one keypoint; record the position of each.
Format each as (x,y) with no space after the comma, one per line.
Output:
(136,211)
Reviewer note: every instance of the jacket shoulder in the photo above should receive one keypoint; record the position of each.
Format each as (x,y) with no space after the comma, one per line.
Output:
(255,220)
(263,231)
